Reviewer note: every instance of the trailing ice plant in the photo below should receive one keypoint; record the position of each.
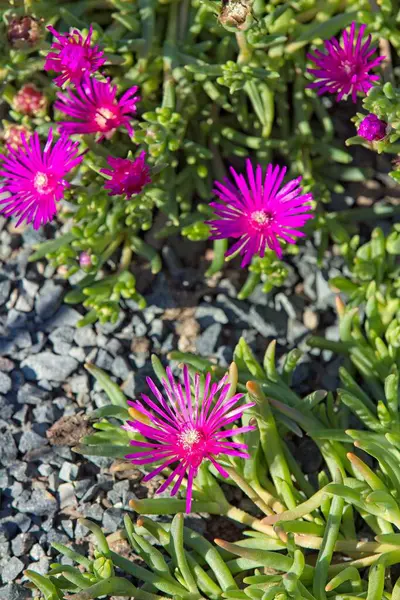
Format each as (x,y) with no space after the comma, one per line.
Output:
(217,80)
(303,541)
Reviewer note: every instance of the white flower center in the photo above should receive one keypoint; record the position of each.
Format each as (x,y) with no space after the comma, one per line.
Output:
(41,182)
(103,115)
(189,438)
(261,217)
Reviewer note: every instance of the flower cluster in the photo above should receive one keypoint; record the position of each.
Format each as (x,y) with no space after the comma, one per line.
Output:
(35,177)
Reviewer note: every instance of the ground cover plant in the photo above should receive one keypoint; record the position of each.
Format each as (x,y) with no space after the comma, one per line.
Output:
(218,152)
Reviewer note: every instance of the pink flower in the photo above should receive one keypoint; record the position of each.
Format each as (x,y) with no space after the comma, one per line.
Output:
(127,176)
(30,101)
(187,430)
(73,56)
(259,213)
(372,129)
(34,179)
(344,69)
(96,108)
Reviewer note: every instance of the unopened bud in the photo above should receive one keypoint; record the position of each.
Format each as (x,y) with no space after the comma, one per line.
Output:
(30,101)
(24,32)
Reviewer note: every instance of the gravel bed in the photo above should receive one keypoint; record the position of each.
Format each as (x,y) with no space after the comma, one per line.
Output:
(45,485)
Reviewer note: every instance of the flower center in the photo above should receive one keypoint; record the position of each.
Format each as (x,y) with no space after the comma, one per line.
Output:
(104,118)
(260,219)
(43,183)
(189,438)
(348,67)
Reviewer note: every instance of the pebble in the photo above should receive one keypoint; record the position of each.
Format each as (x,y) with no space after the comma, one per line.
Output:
(39,503)
(13,591)
(47,365)
(120,367)
(62,339)
(11,569)
(85,336)
(5,383)
(67,495)
(31,441)
(68,471)
(5,288)
(207,342)
(31,394)
(22,543)
(48,300)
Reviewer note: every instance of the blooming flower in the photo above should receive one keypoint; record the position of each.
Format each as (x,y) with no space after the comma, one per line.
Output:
(258,212)
(372,128)
(12,135)
(29,100)
(345,68)
(34,179)
(187,430)
(73,56)
(127,176)
(96,107)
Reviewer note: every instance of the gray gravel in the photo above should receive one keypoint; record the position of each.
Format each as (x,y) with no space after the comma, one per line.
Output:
(42,378)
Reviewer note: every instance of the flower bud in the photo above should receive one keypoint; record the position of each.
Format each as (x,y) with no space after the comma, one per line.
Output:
(30,101)
(235,13)
(12,135)
(24,32)
(84,259)
(372,128)
(103,568)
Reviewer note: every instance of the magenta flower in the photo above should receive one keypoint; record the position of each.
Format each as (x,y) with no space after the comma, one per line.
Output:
(96,108)
(372,129)
(259,213)
(127,176)
(34,179)
(344,69)
(187,429)
(73,56)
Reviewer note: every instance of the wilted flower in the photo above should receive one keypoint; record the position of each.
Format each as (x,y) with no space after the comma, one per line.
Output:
(12,135)
(127,176)
(84,259)
(29,100)
(96,108)
(24,33)
(371,128)
(259,213)
(34,179)
(73,56)
(344,69)
(187,429)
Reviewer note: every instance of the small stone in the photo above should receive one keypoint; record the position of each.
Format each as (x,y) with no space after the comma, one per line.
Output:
(47,365)
(94,511)
(85,336)
(31,394)
(64,317)
(79,384)
(207,343)
(18,471)
(8,449)
(206,315)
(6,365)
(5,383)
(13,591)
(11,569)
(78,354)
(104,360)
(5,288)
(68,472)
(112,520)
(40,503)
(48,299)
(61,339)
(68,527)
(310,319)
(22,543)
(37,552)
(31,441)
(41,566)
(120,368)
